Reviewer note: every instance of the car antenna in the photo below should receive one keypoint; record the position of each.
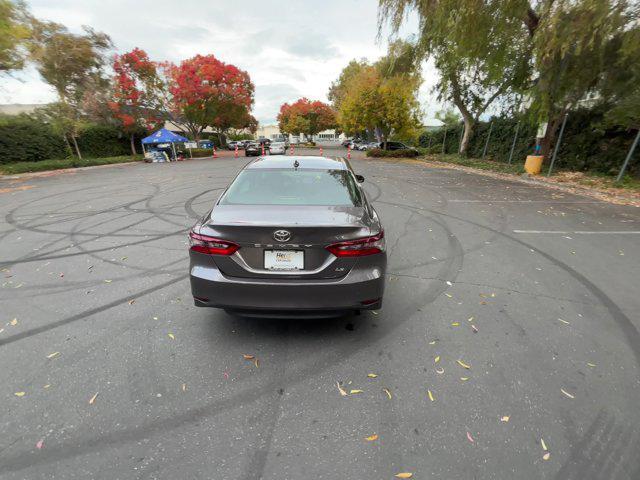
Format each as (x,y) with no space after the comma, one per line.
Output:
(296,164)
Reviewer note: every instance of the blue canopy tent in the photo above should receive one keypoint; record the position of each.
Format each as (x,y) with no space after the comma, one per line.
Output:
(164,136)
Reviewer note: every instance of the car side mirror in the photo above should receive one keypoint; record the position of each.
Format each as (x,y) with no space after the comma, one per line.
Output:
(359,178)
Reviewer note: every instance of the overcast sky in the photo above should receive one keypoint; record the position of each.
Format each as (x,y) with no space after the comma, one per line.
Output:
(290,48)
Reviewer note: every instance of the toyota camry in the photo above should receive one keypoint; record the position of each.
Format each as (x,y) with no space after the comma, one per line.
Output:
(290,236)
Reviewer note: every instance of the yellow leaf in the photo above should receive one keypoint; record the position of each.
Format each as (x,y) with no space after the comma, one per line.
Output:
(107,281)
(19,394)
(372,375)
(437,359)
(591,364)
(353,392)
(464,379)
(544,445)
(47,385)
(546,456)
(403,475)
(440,371)
(566,393)
(248,357)
(463,365)
(171,336)
(14,322)
(564,321)
(470,319)
(432,342)
(449,295)
(455,324)
(92,400)
(388,392)
(342,391)
(54,354)
(372,438)
(505,418)
(431,396)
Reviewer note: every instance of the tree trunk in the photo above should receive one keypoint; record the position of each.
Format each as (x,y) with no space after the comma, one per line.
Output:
(75,145)
(550,135)
(469,124)
(133,145)
(220,139)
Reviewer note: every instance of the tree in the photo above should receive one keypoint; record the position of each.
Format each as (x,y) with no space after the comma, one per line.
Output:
(206,91)
(480,52)
(381,98)
(73,65)
(338,89)
(136,99)
(14,33)
(448,117)
(305,116)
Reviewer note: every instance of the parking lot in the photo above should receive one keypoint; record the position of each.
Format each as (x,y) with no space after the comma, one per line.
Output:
(507,345)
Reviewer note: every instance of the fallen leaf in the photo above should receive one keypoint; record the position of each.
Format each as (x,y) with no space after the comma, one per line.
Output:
(449,283)
(564,321)
(374,312)
(473,327)
(431,396)
(455,324)
(449,295)
(171,336)
(184,387)
(256,362)
(566,393)
(14,322)
(463,365)
(464,379)
(92,400)
(372,375)
(403,475)
(248,357)
(355,391)
(132,301)
(61,275)
(470,319)
(40,444)
(483,302)
(544,445)
(19,394)
(432,342)
(155,318)
(440,370)
(342,390)
(47,385)
(470,438)
(372,438)
(388,392)
(107,281)
(546,456)
(592,365)
(54,354)
(437,359)
(505,418)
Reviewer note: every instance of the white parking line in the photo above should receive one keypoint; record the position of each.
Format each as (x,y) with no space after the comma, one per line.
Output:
(582,232)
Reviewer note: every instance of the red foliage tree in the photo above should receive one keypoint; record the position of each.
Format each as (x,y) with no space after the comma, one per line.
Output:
(306,116)
(208,92)
(137,93)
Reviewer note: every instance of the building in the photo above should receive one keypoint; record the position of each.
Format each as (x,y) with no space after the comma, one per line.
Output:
(272,132)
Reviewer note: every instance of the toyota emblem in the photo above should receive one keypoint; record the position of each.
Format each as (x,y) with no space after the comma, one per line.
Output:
(282,235)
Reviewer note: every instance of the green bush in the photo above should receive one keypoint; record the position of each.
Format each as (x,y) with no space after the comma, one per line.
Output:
(586,144)
(97,141)
(379,153)
(199,152)
(24,140)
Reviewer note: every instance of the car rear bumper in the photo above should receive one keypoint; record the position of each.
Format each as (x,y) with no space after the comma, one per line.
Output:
(360,289)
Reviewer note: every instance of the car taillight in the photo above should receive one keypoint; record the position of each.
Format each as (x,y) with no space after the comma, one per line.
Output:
(211,245)
(359,247)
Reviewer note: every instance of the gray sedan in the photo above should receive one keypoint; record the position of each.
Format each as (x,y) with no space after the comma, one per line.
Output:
(290,236)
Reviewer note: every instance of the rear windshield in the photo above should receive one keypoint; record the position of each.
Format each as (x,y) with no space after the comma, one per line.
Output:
(293,187)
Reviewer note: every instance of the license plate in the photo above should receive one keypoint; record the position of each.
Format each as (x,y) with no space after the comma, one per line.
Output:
(283,259)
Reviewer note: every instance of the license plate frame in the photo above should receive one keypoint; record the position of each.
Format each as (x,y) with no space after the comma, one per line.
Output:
(283,260)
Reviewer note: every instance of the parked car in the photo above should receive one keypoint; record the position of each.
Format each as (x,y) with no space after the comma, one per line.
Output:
(232,145)
(293,236)
(205,144)
(277,148)
(253,149)
(264,141)
(396,146)
(345,143)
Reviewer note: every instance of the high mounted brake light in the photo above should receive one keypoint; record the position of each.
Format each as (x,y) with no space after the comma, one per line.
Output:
(211,245)
(359,247)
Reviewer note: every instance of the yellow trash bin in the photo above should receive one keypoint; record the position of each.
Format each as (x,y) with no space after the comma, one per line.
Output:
(533,165)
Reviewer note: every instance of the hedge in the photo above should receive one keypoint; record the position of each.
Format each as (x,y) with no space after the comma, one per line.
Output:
(586,145)
(24,140)
(404,153)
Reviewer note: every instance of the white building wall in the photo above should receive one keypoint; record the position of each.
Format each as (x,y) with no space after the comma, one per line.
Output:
(272,132)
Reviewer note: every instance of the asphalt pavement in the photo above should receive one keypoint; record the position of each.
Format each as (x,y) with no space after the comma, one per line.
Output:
(507,346)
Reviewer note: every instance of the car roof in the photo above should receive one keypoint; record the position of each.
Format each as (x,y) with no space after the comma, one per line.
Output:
(304,162)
